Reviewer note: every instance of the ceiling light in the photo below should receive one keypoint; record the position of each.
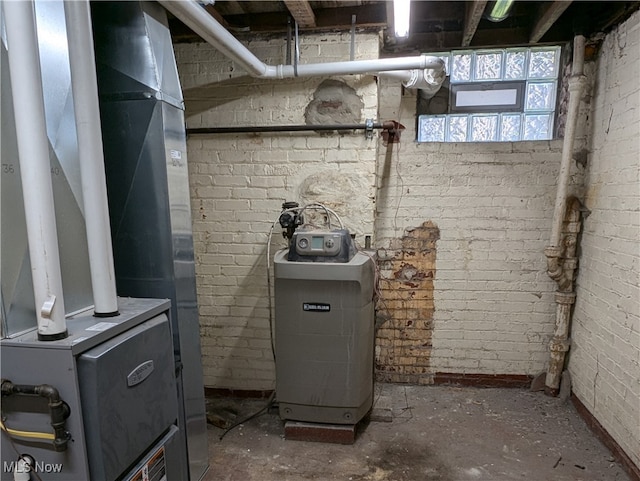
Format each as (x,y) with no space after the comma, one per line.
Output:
(401,17)
(499,10)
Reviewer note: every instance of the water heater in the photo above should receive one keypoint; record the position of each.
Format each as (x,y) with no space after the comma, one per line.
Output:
(324,328)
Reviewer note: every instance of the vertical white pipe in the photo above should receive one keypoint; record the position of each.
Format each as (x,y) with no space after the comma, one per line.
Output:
(35,169)
(576,83)
(94,187)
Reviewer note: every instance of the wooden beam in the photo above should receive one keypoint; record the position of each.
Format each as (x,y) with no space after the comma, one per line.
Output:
(472,18)
(215,14)
(327,19)
(547,16)
(302,13)
(232,8)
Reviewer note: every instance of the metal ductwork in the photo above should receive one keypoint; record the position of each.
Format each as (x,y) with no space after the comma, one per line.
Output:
(35,171)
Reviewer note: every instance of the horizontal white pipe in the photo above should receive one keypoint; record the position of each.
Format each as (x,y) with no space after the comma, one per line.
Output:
(199,20)
(35,168)
(94,186)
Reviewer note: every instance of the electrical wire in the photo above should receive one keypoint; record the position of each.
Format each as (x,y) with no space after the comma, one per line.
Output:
(250,417)
(327,210)
(377,278)
(269,300)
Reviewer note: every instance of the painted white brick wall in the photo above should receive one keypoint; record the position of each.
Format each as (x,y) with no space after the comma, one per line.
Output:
(238,183)
(605,352)
(493,202)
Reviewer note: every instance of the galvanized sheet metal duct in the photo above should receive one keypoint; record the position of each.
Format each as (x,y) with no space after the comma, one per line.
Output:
(33,148)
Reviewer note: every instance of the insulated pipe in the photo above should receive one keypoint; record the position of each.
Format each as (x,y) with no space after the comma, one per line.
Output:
(35,168)
(576,84)
(94,185)
(196,18)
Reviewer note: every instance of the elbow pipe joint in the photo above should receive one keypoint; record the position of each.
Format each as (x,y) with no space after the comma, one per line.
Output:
(554,264)
(58,409)
(559,269)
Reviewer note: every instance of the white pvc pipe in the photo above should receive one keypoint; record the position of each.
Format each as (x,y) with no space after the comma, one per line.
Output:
(199,20)
(94,187)
(576,83)
(427,80)
(35,168)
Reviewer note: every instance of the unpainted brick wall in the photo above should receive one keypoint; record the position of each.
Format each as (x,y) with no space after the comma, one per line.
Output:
(494,304)
(239,182)
(605,352)
(405,304)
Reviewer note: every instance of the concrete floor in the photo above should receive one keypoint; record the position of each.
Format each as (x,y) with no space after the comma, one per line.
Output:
(436,433)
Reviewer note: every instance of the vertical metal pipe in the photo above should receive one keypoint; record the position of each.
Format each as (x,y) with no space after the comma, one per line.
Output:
(94,185)
(352,52)
(296,58)
(556,265)
(35,168)
(576,84)
(287,59)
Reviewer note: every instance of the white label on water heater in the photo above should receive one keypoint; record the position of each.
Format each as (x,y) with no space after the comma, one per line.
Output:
(316,306)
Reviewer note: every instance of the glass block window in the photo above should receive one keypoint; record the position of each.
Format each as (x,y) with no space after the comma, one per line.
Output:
(495,95)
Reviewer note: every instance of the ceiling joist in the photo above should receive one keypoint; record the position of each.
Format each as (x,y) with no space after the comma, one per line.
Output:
(473,15)
(215,14)
(547,16)
(301,12)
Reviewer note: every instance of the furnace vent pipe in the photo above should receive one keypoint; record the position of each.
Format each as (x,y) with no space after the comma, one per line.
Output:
(35,168)
(199,20)
(94,185)
(427,80)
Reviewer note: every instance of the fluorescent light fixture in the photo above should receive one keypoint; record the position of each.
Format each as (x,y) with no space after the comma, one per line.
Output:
(401,17)
(499,10)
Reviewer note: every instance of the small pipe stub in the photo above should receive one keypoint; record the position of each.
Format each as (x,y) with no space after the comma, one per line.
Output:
(391,131)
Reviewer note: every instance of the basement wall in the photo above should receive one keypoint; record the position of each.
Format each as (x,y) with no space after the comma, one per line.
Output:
(605,352)
(492,308)
(239,182)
